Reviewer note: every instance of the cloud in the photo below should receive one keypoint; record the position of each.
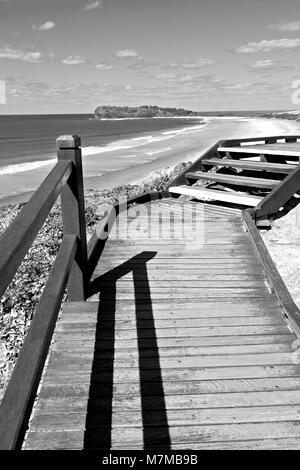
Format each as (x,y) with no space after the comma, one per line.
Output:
(269,66)
(173,77)
(240,86)
(73,60)
(19,55)
(269,45)
(289,27)
(263,64)
(206,88)
(93,5)
(192,64)
(104,66)
(45,26)
(165,76)
(127,54)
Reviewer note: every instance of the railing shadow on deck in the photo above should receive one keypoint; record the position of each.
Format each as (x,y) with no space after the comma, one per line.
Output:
(99,424)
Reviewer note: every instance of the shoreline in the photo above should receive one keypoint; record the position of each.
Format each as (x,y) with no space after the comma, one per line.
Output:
(113,164)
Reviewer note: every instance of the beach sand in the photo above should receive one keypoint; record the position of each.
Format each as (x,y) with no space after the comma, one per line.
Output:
(283,243)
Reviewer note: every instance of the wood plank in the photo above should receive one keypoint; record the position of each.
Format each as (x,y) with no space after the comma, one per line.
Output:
(80,376)
(174,402)
(186,243)
(294,146)
(217,195)
(186,306)
(140,284)
(176,351)
(224,302)
(269,140)
(201,293)
(230,253)
(209,210)
(172,323)
(184,276)
(232,180)
(228,436)
(184,332)
(184,313)
(239,242)
(52,390)
(59,359)
(195,417)
(262,149)
(165,342)
(250,165)
(249,444)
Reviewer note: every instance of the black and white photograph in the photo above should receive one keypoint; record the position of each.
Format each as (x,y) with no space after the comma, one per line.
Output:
(149,228)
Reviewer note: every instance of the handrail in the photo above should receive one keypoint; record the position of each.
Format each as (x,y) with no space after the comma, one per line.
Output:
(196,165)
(267,140)
(19,236)
(20,393)
(69,269)
(280,195)
(275,280)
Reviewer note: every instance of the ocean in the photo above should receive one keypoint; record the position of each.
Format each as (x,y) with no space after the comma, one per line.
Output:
(115,151)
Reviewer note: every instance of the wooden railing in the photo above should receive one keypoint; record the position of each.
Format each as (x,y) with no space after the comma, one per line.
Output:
(275,281)
(69,270)
(279,196)
(263,140)
(196,165)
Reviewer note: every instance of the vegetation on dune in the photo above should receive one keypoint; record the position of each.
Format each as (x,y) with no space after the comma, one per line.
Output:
(117,112)
(280,115)
(22,296)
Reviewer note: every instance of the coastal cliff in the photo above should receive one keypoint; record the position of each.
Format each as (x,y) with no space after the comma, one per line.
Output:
(115,112)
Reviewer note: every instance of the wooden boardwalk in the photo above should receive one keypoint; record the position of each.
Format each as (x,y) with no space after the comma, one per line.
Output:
(181,346)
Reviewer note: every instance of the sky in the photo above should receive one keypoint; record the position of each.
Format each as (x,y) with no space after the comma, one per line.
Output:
(69,56)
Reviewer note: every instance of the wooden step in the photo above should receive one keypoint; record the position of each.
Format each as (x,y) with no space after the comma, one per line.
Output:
(260,150)
(250,165)
(234,180)
(216,195)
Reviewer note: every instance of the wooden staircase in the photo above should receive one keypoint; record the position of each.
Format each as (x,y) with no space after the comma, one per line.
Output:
(240,173)
(185,342)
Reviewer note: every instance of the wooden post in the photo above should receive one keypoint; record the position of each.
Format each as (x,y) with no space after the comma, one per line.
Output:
(72,202)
